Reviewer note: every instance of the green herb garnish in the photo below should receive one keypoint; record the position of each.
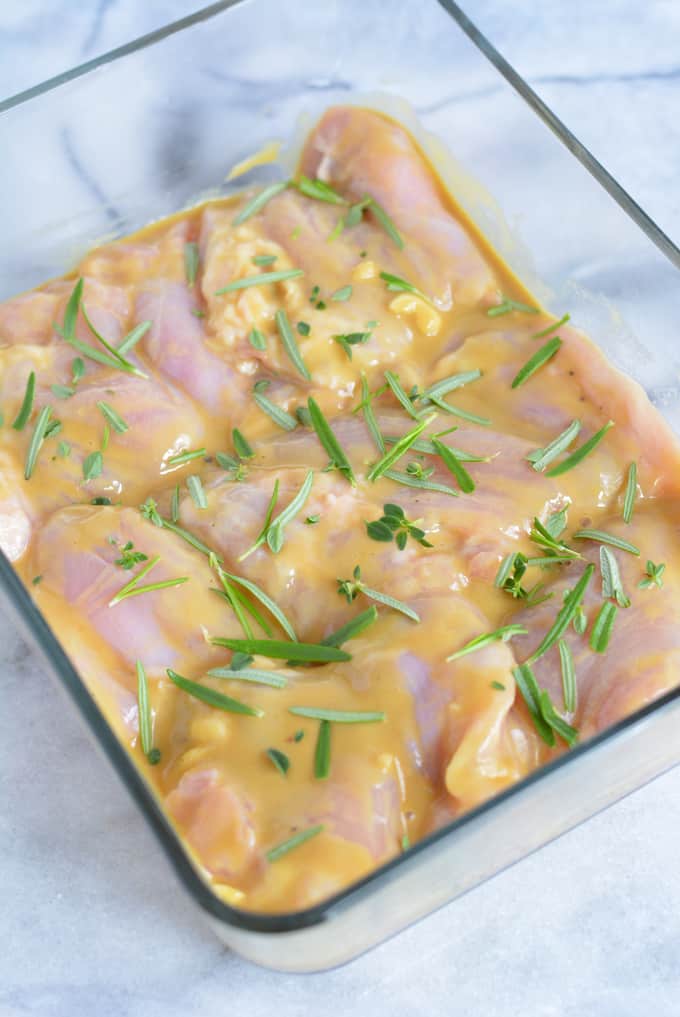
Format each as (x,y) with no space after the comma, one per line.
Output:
(338,459)
(77,369)
(568,676)
(211,697)
(264,259)
(542,457)
(288,845)
(611,578)
(261,279)
(564,616)
(508,305)
(503,634)
(369,415)
(241,445)
(63,449)
(654,576)
(145,723)
(304,328)
(631,493)
(257,340)
(258,202)
(266,602)
(113,418)
(62,391)
(441,388)
(342,295)
(398,449)
(536,361)
(250,674)
(351,588)
(349,339)
(338,716)
(453,464)
(540,535)
(309,653)
(279,759)
(551,328)
(400,394)
(395,284)
(386,223)
(290,345)
(93,466)
(132,589)
(195,488)
(422,483)
(394,525)
(191,261)
(319,191)
(24,413)
(580,453)
(129,557)
(279,416)
(425,446)
(322,751)
(607,538)
(602,627)
(352,628)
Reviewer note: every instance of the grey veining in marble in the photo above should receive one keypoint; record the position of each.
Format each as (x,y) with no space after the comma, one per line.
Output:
(91,920)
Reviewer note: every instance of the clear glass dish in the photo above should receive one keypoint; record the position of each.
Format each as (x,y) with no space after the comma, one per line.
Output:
(155,125)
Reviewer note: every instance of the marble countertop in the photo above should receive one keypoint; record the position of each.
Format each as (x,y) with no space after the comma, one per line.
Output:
(91,919)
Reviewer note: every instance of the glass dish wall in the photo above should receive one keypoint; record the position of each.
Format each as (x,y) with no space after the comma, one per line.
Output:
(156,126)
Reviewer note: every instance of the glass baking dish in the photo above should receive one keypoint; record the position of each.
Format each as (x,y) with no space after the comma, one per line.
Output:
(153,126)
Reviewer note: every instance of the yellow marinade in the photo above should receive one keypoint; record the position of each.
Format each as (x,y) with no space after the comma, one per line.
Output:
(270,465)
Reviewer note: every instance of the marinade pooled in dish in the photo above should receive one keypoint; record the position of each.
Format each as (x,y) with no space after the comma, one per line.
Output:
(342,530)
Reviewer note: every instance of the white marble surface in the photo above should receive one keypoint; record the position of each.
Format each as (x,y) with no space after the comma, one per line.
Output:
(91,919)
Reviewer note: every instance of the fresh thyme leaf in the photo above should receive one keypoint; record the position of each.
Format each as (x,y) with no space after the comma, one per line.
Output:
(565,614)
(264,259)
(77,369)
(531,694)
(195,488)
(536,361)
(329,441)
(654,574)
(282,849)
(505,633)
(298,736)
(338,716)
(408,480)
(311,520)
(544,538)
(129,557)
(398,449)
(498,685)
(279,416)
(258,202)
(322,751)
(63,449)
(37,580)
(211,697)
(568,676)
(249,674)
(342,295)
(607,538)
(279,759)
(611,578)
(241,445)
(290,345)
(369,415)
(261,279)
(144,714)
(26,405)
(150,511)
(310,653)
(580,621)
(352,628)
(113,418)
(580,453)
(93,466)
(383,218)
(505,569)
(355,213)
(191,262)
(542,457)
(631,493)
(556,523)
(62,391)
(319,191)
(601,631)
(349,339)
(395,284)
(257,340)
(551,328)
(394,525)
(304,328)
(400,394)
(508,305)
(454,466)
